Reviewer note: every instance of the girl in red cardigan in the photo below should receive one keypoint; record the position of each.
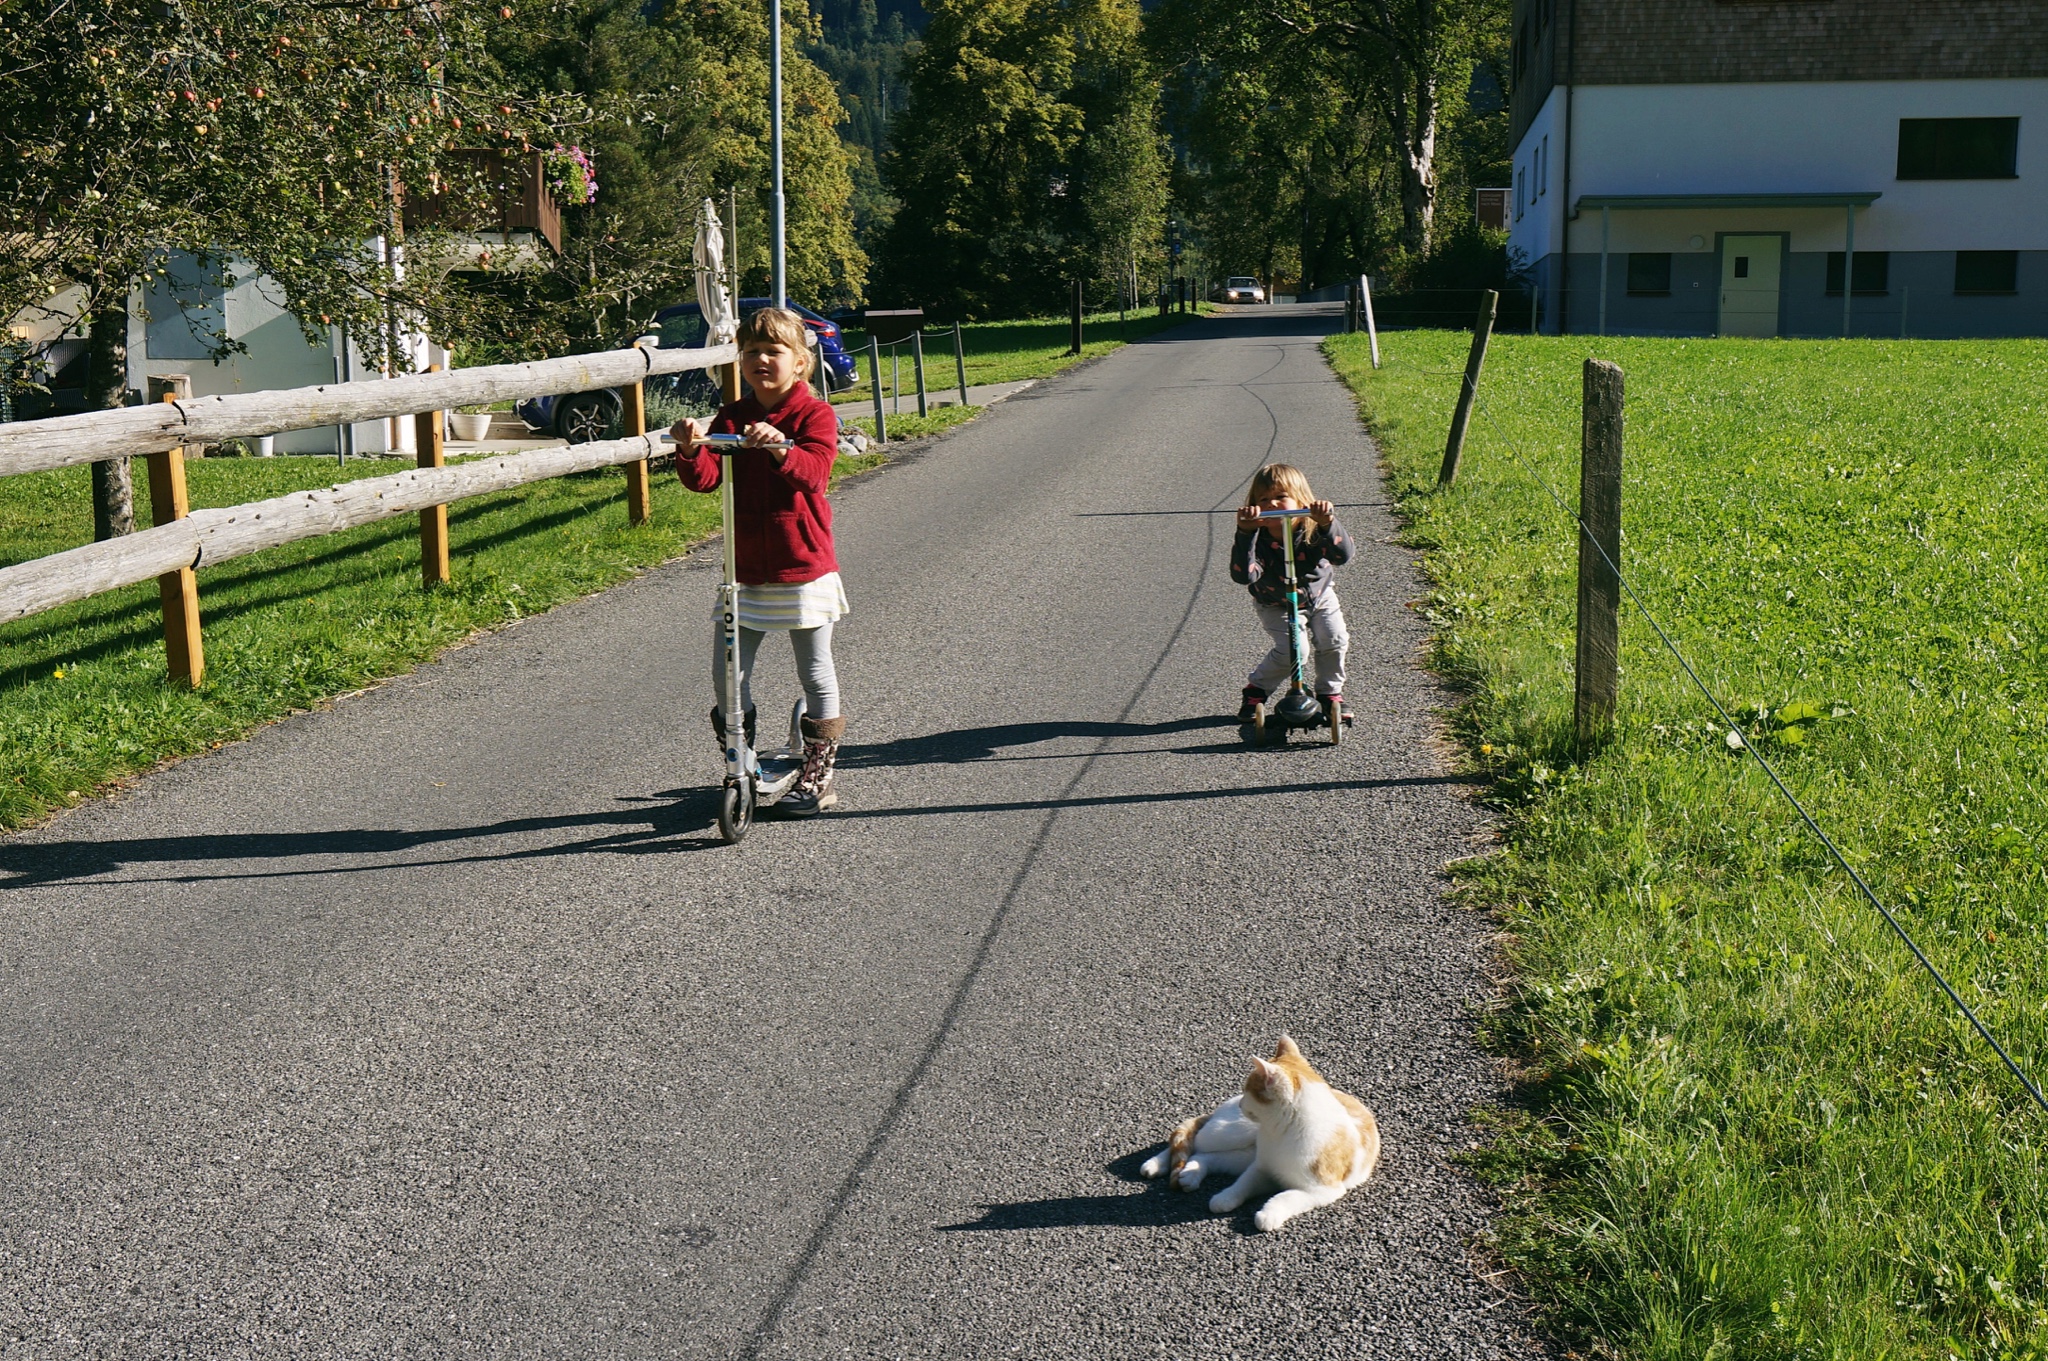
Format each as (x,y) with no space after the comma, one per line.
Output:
(782,535)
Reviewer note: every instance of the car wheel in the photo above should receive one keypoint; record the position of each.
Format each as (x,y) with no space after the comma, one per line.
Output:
(587,417)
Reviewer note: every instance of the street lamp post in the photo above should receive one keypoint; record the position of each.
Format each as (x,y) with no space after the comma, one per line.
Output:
(778,283)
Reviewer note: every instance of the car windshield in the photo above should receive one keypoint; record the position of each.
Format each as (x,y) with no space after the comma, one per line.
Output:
(1244,283)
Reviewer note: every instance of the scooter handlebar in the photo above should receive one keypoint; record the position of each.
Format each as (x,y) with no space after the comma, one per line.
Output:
(734,440)
(1284,514)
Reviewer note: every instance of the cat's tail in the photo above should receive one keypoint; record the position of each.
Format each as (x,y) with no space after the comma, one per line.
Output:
(1170,1160)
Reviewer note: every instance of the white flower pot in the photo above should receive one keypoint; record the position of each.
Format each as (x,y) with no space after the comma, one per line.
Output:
(266,446)
(470,429)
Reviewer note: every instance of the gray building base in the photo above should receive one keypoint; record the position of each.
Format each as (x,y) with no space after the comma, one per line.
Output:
(1919,299)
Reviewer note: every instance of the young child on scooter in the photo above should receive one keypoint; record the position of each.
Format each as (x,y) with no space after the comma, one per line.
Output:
(782,539)
(1258,560)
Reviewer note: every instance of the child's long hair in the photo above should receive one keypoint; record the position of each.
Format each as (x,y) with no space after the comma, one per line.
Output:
(778,326)
(1284,479)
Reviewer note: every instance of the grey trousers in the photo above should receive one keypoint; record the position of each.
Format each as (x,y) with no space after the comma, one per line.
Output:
(1328,640)
(814,668)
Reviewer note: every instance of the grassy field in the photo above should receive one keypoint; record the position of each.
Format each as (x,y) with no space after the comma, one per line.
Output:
(83,698)
(1003,352)
(1753,1126)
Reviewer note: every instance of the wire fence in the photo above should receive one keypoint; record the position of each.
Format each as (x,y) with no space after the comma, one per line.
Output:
(1745,741)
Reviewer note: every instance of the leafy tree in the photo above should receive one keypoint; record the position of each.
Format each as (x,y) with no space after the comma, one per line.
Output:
(1338,108)
(1019,111)
(863,48)
(680,95)
(278,133)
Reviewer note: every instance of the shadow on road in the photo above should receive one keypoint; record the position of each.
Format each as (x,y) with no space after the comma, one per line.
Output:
(1153,1207)
(982,744)
(654,827)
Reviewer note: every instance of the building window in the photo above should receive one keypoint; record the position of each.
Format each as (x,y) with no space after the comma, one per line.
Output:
(1959,148)
(1987,271)
(1649,274)
(1521,183)
(1543,163)
(1873,273)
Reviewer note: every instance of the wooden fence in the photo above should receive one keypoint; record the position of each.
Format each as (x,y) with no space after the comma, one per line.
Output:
(184,541)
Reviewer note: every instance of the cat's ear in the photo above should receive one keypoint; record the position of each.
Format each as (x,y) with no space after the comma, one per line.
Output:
(1268,1081)
(1288,1048)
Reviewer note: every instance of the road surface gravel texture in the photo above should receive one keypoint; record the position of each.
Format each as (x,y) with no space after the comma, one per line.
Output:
(440,1023)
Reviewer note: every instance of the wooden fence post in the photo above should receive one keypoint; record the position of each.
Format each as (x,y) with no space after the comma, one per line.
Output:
(1598,669)
(1482,332)
(1372,330)
(1074,339)
(633,416)
(429,430)
(960,363)
(875,377)
(184,647)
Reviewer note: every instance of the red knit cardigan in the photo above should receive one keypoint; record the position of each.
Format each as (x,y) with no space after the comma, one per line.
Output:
(783,523)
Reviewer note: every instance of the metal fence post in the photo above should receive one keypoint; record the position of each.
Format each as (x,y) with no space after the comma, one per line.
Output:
(1597,674)
(1482,332)
(1074,338)
(960,362)
(633,416)
(875,380)
(429,451)
(1372,331)
(917,366)
(184,647)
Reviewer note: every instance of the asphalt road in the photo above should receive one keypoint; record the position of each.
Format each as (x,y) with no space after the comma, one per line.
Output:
(440,1024)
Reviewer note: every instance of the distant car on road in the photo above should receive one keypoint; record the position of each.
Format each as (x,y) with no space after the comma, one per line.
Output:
(1241,288)
(580,417)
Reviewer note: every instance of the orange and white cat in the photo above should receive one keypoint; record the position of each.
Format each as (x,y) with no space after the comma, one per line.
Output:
(1288,1129)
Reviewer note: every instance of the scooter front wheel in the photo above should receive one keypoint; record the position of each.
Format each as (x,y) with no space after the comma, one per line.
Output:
(736,809)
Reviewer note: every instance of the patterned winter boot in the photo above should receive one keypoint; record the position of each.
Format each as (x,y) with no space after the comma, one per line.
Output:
(814,793)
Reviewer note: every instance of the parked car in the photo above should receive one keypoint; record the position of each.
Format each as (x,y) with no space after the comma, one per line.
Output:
(580,417)
(1241,288)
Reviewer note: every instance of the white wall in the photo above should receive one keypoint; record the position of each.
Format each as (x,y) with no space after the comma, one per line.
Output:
(1536,207)
(278,357)
(1779,138)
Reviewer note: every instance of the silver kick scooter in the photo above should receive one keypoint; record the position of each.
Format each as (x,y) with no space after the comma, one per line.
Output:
(1296,709)
(753,780)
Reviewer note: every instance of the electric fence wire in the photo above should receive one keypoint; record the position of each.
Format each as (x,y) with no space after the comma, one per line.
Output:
(1586,536)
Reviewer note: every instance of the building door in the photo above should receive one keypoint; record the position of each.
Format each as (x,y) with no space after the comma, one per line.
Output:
(1749,285)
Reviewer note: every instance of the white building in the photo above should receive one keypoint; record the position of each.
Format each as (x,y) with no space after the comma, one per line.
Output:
(1703,167)
(178,323)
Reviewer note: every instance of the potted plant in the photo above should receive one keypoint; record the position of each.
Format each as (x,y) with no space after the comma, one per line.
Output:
(470,424)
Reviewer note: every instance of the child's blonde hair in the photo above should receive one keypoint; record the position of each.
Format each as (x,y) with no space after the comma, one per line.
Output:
(778,326)
(1283,479)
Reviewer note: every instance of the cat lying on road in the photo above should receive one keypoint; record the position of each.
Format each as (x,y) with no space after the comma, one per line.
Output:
(1288,1128)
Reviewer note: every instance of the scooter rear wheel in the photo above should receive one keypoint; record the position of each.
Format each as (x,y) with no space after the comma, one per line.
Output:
(736,810)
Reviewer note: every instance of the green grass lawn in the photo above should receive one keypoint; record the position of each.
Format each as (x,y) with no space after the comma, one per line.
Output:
(1754,1128)
(83,694)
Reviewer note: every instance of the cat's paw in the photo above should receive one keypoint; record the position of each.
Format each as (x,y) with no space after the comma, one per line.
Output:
(1191,1174)
(1224,1201)
(1269,1219)
(1156,1165)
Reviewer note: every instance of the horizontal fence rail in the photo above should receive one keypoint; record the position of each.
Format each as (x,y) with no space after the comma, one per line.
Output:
(206,537)
(62,441)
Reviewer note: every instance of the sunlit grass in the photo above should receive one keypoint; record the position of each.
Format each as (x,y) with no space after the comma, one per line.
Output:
(1755,1128)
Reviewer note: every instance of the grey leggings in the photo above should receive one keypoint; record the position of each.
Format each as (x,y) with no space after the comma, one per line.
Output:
(814,669)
